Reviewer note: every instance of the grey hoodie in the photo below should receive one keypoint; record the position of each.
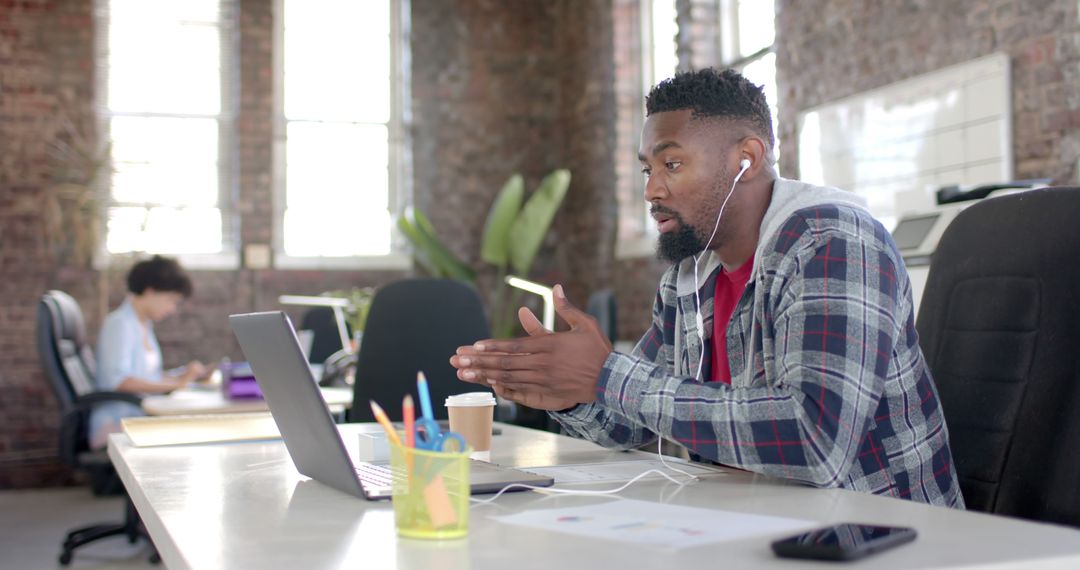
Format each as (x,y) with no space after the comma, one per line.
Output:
(789,196)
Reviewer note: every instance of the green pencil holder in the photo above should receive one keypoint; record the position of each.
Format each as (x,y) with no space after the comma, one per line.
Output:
(431,493)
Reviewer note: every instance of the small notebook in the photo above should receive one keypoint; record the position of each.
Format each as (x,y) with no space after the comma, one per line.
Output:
(149,431)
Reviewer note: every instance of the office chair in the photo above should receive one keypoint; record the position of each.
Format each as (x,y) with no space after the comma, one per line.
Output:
(326,338)
(1000,327)
(601,305)
(413,325)
(70,367)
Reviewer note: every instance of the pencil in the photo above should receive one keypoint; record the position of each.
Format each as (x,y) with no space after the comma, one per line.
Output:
(408,413)
(380,416)
(425,396)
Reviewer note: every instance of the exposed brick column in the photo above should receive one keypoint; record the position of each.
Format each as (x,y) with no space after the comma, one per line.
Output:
(46,83)
(586,229)
(699,34)
(498,91)
(255,121)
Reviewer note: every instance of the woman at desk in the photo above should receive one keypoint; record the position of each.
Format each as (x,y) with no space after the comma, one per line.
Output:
(128,355)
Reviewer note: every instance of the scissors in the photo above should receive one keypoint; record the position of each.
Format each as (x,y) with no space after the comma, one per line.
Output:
(430,438)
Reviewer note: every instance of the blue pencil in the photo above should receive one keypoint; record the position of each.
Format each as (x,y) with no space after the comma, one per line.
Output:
(425,396)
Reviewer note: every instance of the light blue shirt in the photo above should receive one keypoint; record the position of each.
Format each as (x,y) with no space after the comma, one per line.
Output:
(122,354)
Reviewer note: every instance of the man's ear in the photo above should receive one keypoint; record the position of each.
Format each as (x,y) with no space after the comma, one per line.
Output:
(752,147)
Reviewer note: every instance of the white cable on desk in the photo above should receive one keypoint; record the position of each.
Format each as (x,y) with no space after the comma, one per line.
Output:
(659,453)
(590,492)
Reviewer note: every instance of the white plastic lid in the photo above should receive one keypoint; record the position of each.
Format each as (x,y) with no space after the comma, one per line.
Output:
(471,399)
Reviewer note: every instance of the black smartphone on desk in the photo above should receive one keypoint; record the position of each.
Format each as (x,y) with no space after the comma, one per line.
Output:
(846,541)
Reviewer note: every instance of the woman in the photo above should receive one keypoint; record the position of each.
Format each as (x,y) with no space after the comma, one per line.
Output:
(128,355)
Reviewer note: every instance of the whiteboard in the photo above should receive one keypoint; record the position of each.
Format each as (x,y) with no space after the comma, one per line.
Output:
(897,144)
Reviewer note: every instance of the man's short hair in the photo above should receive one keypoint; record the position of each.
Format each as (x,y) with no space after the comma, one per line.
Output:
(713,93)
(162,274)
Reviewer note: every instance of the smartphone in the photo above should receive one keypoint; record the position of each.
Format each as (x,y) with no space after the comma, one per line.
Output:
(846,541)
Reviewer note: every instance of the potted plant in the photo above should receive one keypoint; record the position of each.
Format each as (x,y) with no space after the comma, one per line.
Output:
(513,233)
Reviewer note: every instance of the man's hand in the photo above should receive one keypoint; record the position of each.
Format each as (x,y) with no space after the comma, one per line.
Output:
(546,370)
(532,325)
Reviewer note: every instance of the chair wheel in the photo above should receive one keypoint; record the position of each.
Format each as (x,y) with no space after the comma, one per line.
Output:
(65,558)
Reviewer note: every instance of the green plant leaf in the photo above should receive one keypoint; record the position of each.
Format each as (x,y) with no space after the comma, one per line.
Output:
(535,218)
(419,253)
(427,241)
(495,243)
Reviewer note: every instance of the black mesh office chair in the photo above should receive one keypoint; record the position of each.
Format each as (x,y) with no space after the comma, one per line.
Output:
(601,305)
(70,367)
(999,324)
(415,324)
(327,338)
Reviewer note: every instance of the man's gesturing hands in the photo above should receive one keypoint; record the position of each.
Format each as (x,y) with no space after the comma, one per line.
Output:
(545,370)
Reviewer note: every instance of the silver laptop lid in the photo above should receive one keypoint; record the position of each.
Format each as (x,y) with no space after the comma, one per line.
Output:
(269,343)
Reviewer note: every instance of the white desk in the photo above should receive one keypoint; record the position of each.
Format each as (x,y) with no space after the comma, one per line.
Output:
(245,506)
(210,400)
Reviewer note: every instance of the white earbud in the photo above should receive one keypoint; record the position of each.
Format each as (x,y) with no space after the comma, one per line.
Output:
(744,164)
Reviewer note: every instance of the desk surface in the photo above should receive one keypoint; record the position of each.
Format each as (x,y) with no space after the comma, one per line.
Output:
(210,400)
(245,506)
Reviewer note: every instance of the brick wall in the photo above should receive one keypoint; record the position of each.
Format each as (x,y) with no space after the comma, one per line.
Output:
(699,34)
(45,83)
(494,91)
(830,49)
(834,48)
(586,234)
(497,91)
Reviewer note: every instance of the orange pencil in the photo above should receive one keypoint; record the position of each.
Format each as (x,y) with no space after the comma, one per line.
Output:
(409,415)
(380,416)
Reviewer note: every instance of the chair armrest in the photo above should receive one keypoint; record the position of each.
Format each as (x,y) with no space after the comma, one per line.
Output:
(94,398)
(74,424)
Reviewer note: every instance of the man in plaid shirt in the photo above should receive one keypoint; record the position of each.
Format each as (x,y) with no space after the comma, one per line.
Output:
(783,339)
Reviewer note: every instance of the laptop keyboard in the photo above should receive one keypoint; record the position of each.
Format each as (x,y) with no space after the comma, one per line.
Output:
(376,475)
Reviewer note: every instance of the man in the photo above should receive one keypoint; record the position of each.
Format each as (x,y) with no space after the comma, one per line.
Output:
(804,363)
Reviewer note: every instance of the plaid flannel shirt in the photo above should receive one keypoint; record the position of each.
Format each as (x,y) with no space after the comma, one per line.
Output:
(829,385)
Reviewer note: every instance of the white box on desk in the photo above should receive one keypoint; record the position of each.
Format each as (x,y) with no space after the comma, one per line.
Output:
(373,447)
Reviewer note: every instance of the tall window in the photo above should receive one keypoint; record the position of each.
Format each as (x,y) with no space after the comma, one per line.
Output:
(654,59)
(661,57)
(747,34)
(338,129)
(164,71)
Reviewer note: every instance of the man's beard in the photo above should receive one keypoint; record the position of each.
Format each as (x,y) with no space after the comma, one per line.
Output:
(679,244)
(687,240)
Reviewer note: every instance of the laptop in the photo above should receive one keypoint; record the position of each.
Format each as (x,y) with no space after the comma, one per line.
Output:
(270,346)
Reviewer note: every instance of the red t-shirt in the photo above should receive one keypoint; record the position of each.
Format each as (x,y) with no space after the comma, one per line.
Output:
(729,288)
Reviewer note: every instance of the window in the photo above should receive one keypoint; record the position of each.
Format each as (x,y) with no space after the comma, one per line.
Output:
(164,69)
(747,34)
(661,57)
(655,59)
(338,132)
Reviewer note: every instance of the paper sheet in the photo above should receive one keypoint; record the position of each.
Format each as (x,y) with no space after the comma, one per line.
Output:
(619,471)
(656,524)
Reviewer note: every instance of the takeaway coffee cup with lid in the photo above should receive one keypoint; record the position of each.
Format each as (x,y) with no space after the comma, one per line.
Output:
(471,415)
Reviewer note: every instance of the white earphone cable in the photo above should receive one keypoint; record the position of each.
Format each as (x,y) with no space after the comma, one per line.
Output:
(592,492)
(700,322)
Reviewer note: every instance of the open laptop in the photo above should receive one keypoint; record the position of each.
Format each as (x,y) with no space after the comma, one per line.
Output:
(270,345)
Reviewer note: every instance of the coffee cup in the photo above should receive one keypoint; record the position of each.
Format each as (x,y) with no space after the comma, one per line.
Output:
(471,415)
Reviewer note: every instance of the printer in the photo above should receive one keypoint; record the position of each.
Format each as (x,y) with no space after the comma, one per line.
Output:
(917,233)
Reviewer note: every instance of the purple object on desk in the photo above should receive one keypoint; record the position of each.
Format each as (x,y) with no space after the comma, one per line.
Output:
(238,381)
